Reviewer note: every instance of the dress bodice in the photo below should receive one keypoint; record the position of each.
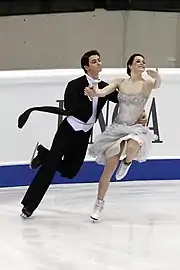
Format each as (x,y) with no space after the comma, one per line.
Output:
(131,107)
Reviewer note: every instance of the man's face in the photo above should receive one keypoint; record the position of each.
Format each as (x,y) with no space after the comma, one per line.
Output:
(95,64)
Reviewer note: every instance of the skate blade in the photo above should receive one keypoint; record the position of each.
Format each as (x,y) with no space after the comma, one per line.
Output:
(23,216)
(33,155)
(93,219)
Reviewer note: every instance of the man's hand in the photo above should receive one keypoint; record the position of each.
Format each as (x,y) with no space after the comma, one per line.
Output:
(143,119)
(90,92)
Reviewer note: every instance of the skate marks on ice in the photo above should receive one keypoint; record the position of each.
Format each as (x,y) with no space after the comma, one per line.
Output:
(139,228)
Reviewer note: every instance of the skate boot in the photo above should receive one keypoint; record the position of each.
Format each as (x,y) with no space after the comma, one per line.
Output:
(35,161)
(25,213)
(122,170)
(98,207)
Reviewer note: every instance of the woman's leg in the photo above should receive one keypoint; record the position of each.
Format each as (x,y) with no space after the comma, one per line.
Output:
(104,181)
(105,178)
(131,150)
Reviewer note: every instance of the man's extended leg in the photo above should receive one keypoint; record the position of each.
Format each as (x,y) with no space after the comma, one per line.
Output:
(62,141)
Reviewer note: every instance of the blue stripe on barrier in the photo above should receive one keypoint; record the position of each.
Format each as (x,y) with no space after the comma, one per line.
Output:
(159,169)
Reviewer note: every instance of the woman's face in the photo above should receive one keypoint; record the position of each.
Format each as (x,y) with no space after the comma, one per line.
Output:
(138,65)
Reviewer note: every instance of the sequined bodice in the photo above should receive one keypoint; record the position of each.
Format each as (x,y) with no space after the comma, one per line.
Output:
(130,107)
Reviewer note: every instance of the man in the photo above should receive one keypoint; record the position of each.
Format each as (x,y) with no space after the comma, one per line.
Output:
(71,140)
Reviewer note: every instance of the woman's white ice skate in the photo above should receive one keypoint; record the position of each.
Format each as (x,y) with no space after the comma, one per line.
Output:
(98,207)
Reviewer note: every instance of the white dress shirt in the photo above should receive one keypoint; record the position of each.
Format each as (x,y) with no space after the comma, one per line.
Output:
(78,124)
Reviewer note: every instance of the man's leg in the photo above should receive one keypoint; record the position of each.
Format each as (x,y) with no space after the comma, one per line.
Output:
(74,159)
(39,159)
(62,141)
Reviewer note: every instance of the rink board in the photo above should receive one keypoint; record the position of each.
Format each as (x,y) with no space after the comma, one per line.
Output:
(167,169)
(20,90)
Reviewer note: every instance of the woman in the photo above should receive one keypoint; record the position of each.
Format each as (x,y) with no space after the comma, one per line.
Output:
(124,135)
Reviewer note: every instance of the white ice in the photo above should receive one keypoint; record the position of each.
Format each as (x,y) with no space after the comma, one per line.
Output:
(139,228)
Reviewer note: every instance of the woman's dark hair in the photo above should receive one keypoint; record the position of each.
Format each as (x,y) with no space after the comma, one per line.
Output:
(130,61)
(85,58)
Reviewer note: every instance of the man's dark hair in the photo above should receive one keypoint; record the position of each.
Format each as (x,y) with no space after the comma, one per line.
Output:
(85,58)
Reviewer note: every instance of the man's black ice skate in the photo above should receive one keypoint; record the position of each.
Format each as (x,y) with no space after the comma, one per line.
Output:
(25,213)
(35,161)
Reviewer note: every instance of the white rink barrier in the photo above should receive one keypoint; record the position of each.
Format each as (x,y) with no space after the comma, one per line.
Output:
(20,90)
